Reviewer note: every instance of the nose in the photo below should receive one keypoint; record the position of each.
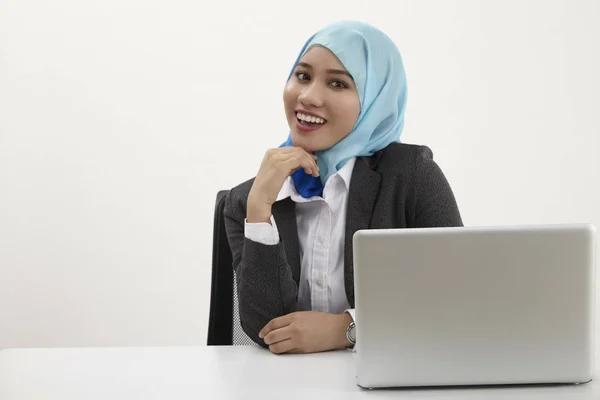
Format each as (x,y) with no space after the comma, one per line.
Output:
(311,95)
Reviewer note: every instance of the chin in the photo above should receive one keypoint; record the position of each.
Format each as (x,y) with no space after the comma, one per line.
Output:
(310,144)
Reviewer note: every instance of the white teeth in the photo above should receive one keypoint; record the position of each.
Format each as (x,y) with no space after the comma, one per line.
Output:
(310,118)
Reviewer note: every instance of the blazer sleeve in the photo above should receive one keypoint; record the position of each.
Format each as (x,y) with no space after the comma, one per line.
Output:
(265,285)
(435,203)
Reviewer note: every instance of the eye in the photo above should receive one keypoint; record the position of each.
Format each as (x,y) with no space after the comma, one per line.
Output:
(302,76)
(338,85)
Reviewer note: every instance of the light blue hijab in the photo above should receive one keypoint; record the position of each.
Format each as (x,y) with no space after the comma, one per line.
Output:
(375,63)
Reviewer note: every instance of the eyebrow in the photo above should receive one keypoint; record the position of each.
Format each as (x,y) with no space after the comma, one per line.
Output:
(330,71)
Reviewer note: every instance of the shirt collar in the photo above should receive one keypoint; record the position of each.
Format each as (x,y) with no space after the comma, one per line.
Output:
(346,172)
(289,189)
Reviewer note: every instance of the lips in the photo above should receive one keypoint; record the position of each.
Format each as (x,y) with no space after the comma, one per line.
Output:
(308,122)
(307,127)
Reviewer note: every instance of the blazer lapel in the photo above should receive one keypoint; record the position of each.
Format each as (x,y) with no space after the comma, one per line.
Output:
(364,187)
(284,212)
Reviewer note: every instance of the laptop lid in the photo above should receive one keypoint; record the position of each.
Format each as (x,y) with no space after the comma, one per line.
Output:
(474,305)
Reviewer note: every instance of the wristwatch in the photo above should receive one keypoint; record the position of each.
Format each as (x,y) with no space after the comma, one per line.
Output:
(351,333)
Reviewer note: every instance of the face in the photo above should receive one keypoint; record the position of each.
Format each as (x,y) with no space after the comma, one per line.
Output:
(321,101)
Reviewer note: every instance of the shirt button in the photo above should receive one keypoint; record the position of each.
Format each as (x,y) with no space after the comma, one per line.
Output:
(323,240)
(320,283)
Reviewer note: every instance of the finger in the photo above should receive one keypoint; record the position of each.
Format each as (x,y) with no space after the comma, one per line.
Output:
(289,163)
(282,347)
(312,156)
(278,335)
(296,159)
(282,157)
(282,150)
(302,161)
(313,162)
(290,151)
(275,323)
(293,161)
(308,163)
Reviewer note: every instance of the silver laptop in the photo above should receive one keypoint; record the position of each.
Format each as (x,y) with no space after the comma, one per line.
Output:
(474,306)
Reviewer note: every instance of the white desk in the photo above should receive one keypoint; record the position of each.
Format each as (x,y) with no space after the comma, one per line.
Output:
(178,373)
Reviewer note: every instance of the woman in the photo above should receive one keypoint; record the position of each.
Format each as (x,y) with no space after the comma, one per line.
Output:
(341,169)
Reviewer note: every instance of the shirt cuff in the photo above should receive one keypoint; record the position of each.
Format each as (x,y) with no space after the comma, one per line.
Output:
(262,232)
(352,314)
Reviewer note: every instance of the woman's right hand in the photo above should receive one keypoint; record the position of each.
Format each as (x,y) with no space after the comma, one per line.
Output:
(276,166)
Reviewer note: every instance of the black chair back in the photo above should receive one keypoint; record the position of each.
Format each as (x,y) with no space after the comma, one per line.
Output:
(224,327)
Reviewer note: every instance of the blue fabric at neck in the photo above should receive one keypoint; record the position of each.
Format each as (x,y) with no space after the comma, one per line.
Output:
(378,71)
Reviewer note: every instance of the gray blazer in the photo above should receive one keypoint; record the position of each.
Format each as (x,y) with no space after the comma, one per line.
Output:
(398,187)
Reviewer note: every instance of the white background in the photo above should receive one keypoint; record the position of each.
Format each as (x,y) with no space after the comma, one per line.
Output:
(121,119)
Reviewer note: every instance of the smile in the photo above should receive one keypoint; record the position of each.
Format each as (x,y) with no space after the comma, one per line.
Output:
(308,123)
(309,119)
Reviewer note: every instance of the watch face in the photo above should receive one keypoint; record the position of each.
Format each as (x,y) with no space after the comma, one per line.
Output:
(352,333)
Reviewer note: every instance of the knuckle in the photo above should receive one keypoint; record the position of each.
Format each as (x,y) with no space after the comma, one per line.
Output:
(272,154)
(278,158)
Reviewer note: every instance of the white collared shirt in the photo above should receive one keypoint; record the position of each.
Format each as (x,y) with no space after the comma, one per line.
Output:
(321,233)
